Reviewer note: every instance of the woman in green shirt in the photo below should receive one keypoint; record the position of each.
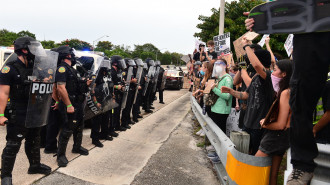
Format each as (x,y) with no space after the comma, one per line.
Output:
(221,109)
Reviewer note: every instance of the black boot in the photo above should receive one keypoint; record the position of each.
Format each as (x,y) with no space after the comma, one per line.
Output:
(62,161)
(32,150)
(8,160)
(149,111)
(77,139)
(97,143)
(6,181)
(113,134)
(131,122)
(135,120)
(108,138)
(121,128)
(139,116)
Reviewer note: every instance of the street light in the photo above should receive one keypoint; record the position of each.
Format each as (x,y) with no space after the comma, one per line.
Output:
(159,51)
(97,40)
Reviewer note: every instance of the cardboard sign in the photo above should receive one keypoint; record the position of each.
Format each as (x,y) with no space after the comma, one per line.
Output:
(229,59)
(185,58)
(238,46)
(208,87)
(288,45)
(251,35)
(222,44)
(262,41)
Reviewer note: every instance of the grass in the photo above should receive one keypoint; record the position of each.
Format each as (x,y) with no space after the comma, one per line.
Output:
(280,177)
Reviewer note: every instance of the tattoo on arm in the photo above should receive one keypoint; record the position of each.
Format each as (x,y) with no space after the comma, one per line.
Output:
(237,94)
(264,69)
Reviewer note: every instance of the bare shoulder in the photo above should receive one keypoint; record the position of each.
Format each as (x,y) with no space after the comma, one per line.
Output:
(285,94)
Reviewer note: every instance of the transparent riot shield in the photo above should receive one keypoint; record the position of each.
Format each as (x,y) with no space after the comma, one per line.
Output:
(150,75)
(140,65)
(42,79)
(155,80)
(162,85)
(127,84)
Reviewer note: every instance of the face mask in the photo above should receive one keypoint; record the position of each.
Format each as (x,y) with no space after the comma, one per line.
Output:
(202,73)
(232,74)
(218,69)
(210,48)
(275,82)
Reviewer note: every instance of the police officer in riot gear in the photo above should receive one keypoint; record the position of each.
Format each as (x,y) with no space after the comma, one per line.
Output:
(139,74)
(103,83)
(71,89)
(15,84)
(117,67)
(147,91)
(161,84)
(128,73)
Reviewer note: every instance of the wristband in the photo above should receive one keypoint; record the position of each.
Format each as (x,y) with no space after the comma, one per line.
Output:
(96,102)
(57,102)
(2,115)
(116,86)
(69,106)
(246,46)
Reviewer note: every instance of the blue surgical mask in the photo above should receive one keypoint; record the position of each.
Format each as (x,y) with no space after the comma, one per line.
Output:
(202,73)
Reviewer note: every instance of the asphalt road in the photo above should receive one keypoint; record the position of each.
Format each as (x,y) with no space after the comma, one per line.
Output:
(159,149)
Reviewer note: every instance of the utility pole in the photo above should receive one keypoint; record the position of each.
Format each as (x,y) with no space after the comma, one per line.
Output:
(222,17)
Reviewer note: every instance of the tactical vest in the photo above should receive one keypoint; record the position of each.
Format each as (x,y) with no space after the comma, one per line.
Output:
(19,93)
(72,83)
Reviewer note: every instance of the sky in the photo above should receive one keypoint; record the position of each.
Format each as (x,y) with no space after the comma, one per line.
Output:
(168,24)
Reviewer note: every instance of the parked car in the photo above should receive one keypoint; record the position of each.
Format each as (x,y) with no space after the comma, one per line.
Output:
(174,79)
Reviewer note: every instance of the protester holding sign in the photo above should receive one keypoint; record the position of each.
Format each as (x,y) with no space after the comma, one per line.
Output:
(259,94)
(271,53)
(200,55)
(211,55)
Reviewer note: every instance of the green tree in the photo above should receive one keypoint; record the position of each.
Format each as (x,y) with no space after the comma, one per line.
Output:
(7,37)
(118,51)
(77,44)
(103,46)
(26,34)
(48,44)
(234,23)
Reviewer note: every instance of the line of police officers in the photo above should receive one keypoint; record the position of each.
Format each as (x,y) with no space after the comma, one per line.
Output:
(62,89)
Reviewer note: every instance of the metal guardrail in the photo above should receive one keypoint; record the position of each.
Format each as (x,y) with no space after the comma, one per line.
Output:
(235,168)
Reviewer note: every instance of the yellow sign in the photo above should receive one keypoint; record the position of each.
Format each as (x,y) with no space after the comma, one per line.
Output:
(5,69)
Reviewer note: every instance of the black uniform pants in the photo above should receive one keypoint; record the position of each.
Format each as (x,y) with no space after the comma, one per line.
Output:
(100,122)
(126,114)
(136,106)
(117,110)
(311,64)
(16,132)
(74,123)
(161,95)
(52,129)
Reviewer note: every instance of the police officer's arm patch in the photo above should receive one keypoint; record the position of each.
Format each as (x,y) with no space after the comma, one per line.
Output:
(61,69)
(123,73)
(5,69)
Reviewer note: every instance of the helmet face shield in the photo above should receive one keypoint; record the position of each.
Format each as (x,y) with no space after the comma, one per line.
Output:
(151,63)
(145,66)
(36,48)
(157,63)
(139,62)
(122,64)
(131,62)
(106,64)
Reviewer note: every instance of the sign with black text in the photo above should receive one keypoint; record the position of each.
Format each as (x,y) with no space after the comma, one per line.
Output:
(222,44)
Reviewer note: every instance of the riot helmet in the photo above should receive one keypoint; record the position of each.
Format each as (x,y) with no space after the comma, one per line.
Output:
(33,47)
(129,62)
(118,62)
(139,62)
(64,51)
(145,66)
(150,62)
(157,63)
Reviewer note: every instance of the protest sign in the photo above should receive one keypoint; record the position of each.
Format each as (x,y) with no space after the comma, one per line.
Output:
(238,46)
(229,59)
(288,45)
(208,87)
(262,41)
(185,58)
(222,44)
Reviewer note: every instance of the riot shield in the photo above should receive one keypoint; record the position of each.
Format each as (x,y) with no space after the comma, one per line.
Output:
(150,75)
(140,66)
(42,79)
(162,85)
(92,66)
(127,84)
(155,80)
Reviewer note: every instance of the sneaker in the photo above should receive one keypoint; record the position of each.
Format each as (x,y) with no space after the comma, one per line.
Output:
(210,148)
(215,160)
(199,132)
(212,155)
(202,134)
(299,177)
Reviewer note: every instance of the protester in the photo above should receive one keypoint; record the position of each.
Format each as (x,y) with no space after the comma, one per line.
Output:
(271,52)
(307,82)
(275,140)
(211,56)
(259,94)
(201,54)
(221,109)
